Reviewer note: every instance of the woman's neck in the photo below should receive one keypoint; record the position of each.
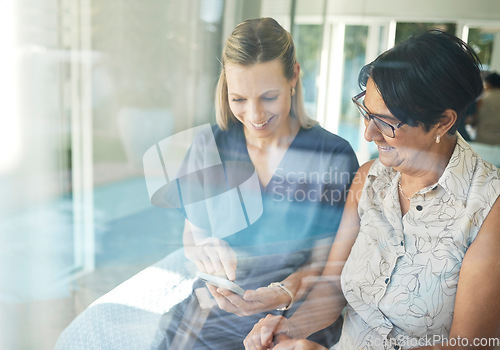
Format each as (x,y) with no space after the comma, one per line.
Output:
(413,179)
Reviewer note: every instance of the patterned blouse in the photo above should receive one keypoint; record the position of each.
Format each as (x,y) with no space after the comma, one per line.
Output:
(401,277)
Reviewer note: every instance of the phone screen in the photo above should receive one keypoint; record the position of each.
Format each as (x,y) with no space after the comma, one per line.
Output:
(221,282)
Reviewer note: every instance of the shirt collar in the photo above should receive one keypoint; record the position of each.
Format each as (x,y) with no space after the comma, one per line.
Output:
(459,172)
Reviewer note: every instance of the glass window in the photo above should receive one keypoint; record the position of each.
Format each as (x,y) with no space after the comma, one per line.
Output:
(88,87)
(355,42)
(308,40)
(482,40)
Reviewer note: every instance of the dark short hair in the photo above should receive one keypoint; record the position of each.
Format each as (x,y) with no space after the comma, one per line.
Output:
(493,79)
(425,75)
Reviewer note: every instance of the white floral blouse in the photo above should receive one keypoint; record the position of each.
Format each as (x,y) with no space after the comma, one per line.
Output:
(401,277)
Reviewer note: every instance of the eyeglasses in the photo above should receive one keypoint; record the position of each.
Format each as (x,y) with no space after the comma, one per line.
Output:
(385,128)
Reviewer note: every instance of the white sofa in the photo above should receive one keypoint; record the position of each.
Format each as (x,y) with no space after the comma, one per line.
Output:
(127,317)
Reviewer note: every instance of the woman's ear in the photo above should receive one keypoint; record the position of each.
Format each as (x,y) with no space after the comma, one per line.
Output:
(448,119)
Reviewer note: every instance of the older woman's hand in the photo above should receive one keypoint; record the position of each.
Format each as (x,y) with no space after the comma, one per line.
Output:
(286,343)
(252,302)
(263,332)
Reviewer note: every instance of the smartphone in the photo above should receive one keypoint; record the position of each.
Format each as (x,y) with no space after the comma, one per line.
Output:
(220,282)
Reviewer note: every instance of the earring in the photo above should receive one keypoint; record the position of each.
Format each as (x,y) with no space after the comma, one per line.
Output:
(438,138)
(292,91)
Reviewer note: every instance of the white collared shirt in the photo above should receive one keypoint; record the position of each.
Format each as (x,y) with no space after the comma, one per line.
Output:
(401,277)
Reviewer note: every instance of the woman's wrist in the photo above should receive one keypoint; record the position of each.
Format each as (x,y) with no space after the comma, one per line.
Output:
(286,292)
(296,330)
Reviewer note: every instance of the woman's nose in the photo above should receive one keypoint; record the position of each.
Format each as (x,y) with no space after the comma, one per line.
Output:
(372,133)
(254,112)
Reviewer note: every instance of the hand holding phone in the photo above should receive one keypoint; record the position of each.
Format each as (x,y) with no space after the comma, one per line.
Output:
(220,282)
(212,255)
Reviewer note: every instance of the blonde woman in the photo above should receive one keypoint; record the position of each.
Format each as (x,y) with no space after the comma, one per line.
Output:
(303,174)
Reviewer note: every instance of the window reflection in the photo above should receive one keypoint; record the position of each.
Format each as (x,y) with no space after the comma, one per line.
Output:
(354,59)
(309,44)
(131,73)
(406,29)
(483,40)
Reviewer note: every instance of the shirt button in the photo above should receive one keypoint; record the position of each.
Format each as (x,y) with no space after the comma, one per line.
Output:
(402,243)
(419,208)
(386,280)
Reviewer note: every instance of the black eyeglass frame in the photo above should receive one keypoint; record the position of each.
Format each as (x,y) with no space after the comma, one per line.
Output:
(379,123)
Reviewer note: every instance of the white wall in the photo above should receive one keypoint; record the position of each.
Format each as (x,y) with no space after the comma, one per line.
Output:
(442,9)
(452,10)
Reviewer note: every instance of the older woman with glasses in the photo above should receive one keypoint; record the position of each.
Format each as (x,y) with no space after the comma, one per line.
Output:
(415,262)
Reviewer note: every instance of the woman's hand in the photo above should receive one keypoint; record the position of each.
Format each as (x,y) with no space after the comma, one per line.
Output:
(263,333)
(252,302)
(213,256)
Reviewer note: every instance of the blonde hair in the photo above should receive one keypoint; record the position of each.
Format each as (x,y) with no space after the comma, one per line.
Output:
(256,41)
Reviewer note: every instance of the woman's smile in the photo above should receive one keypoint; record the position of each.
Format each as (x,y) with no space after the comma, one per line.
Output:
(385,148)
(260,126)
